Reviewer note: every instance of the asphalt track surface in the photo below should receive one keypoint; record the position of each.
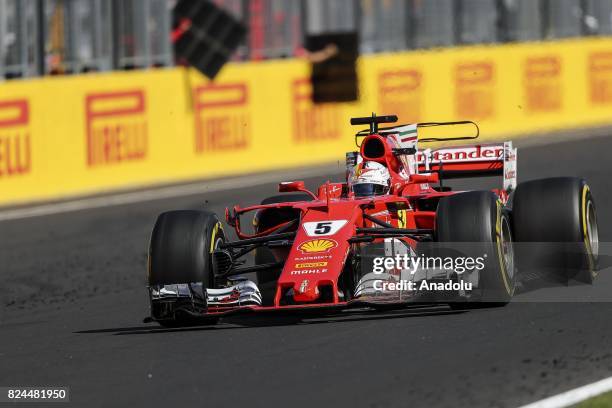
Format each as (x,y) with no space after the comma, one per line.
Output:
(73,299)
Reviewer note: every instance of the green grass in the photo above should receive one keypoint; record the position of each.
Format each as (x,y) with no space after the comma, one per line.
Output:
(602,401)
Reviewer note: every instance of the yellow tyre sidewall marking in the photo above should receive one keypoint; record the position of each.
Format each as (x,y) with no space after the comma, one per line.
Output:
(585,231)
(215,231)
(500,257)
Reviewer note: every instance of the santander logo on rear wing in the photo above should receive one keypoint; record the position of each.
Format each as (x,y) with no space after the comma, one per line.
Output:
(466,161)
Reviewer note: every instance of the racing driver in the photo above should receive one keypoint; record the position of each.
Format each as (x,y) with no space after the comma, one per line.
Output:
(371,179)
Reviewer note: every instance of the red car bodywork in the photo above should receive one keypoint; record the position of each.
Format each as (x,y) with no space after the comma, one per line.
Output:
(314,262)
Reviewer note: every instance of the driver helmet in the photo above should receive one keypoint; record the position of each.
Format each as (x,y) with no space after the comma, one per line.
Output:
(371,179)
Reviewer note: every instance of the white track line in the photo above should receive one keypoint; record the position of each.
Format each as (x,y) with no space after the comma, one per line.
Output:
(162,193)
(574,396)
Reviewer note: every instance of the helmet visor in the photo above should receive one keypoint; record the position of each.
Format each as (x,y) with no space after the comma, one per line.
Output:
(369,189)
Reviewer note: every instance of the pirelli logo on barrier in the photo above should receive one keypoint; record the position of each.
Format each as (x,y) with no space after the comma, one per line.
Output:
(399,92)
(600,78)
(116,127)
(543,87)
(222,121)
(475,90)
(15,138)
(313,122)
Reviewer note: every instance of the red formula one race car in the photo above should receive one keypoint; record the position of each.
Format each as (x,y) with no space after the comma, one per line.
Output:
(392,234)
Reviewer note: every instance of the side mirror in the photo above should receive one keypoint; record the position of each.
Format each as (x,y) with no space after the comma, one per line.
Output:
(291,186)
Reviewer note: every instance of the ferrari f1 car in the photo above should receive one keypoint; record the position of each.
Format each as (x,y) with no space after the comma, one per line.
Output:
(322,251)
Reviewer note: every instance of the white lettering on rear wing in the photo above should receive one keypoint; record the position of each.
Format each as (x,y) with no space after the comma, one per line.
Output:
(470,160)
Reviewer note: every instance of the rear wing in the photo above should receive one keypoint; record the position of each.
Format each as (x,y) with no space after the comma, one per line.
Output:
(449,162)
(469,161)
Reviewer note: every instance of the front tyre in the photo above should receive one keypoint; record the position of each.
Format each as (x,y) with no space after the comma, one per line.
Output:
(180,265)
(478,219)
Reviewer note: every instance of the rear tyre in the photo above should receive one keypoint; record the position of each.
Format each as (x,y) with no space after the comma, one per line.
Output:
(478,217)
(180,253)
(266,280)
(559,215)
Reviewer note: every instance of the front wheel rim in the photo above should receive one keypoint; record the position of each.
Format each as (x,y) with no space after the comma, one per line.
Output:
(507,249)
(592,231)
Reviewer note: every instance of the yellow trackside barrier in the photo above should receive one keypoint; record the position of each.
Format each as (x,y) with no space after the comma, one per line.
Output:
(69,136)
